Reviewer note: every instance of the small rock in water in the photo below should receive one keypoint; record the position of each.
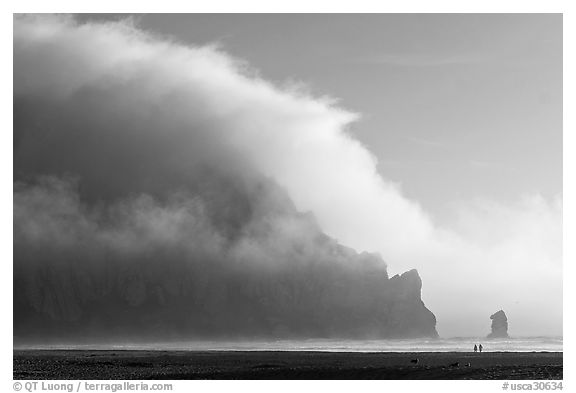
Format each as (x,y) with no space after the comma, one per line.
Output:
(499,325)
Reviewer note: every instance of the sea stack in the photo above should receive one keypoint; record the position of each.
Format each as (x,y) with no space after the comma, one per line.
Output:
(499,325)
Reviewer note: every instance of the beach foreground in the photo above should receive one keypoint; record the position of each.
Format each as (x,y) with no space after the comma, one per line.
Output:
(114,364)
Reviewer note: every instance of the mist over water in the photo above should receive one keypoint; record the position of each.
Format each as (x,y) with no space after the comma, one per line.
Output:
(457,344)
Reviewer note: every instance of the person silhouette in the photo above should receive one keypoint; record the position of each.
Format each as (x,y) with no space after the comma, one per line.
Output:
(475,348)
(480,347)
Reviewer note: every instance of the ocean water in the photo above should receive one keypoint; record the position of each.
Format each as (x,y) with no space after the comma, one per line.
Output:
(456,344)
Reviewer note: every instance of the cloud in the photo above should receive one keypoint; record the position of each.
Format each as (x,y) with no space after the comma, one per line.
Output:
(167,139)
(206,109)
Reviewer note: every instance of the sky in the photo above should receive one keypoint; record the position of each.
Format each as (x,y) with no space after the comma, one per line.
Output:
(454,107)
(434,140)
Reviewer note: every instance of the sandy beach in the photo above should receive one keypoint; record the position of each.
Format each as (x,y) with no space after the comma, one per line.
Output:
(102,364)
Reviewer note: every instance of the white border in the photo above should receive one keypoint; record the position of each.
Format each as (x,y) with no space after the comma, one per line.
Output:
(296,6)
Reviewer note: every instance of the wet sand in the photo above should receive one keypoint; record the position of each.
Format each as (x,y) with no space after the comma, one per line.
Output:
(142,365)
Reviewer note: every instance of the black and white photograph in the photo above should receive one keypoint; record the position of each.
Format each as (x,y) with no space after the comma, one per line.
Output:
(287,196)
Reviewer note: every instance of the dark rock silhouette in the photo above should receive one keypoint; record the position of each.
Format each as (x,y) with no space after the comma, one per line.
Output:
(499,325)
(408,316)
(311,286)
(71,303)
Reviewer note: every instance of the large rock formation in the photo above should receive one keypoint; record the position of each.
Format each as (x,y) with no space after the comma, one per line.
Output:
(155,204)
(409,317)
(499,325)
(294,283)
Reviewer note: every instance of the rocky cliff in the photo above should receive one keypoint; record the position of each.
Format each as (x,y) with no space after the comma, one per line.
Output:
(273,274)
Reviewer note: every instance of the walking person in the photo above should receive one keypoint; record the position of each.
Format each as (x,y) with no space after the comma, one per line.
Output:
(480,348)
(475,348)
